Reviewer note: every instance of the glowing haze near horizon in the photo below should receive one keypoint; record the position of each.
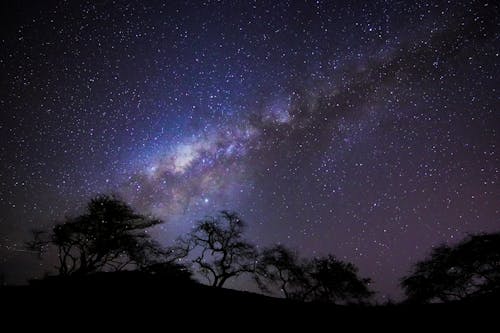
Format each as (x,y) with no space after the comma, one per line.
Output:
(366,130)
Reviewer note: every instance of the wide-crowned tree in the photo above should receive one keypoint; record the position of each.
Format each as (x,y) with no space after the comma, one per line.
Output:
(218,250)
(470,268)
(109,236)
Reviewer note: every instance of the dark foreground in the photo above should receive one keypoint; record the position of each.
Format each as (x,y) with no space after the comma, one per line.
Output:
(129,299)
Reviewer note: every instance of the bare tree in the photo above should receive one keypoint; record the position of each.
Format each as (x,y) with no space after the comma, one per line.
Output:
(218,248)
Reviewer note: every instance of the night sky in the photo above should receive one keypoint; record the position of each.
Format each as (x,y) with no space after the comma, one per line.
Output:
(365,130)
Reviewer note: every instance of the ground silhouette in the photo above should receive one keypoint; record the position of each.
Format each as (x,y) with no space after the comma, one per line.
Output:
(137,298)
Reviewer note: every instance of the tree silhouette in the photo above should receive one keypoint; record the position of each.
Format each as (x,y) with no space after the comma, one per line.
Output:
(218,247)
(335,281)
(324,279)
(470,268)
(109,236)
(279,267)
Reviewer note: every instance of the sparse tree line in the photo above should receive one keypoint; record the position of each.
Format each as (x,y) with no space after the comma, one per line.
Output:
(111,236)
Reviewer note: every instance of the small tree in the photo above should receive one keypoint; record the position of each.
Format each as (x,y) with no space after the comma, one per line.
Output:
(280,267)
(108,236)
(335,281)
(470,268)
(219,250)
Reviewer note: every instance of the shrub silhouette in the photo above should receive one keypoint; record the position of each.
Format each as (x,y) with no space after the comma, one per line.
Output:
(109,236)
(470,268)
(218,248)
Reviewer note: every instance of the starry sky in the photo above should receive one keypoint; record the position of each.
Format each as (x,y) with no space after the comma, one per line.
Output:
(363,129)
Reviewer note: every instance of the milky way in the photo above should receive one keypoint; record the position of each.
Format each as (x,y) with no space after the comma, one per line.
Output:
(366,130)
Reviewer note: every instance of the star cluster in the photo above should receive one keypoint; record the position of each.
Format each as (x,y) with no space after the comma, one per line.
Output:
(363,129)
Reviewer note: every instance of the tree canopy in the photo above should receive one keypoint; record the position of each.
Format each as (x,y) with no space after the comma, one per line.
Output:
(109,236)
(470,268)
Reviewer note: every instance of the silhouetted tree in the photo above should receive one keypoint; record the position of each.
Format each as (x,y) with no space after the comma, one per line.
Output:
(109,236)
(280,267)
(218,248)
(470,268)
(335,281)
(324,279)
